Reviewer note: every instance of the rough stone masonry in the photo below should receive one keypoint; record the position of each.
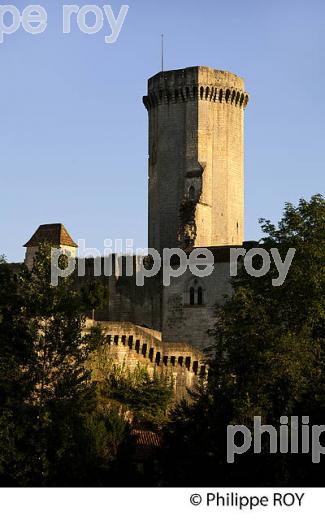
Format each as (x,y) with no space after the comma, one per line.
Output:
(196,199)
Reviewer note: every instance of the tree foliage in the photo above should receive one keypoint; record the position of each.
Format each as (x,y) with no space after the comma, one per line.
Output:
(51,432)
(269,362)
(147,397)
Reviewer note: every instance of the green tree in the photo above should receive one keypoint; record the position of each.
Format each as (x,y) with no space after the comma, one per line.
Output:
(269,362)
(48,401)
(147,397)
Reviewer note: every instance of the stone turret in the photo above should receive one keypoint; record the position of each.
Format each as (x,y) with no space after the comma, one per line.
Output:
(54,234)
(196,158)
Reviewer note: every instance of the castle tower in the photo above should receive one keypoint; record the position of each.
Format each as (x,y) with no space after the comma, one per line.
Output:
(54,234)
(196,158)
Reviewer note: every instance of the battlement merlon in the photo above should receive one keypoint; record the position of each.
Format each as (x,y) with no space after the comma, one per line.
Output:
(203,83)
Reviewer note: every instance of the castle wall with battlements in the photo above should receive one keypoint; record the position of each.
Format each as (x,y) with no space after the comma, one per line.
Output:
(196,200)
(131,346)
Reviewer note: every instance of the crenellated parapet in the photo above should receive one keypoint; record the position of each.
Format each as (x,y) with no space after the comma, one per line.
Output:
(210,93)
(196,83)
(131,345)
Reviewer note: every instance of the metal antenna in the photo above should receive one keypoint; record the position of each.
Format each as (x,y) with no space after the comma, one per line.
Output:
(162,52)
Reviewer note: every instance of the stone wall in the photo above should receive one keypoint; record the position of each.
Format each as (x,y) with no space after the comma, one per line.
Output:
(131,345)
(190,318)
(196,158)
(185,320)
(126,300)
(170,310)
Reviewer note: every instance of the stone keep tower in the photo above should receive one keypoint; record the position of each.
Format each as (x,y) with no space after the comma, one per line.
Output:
(196,158)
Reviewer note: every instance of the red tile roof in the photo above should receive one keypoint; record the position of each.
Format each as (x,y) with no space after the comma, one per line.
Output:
(147,438)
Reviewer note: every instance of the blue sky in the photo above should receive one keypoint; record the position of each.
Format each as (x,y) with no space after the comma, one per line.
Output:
(73,133)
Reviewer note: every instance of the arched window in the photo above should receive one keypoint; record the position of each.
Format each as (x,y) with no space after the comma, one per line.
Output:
(200,296)
(196,296)
(195,292)
(191,193)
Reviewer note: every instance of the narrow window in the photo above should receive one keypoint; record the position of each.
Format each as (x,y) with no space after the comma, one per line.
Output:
(200,296)
(191,193)
(192,296)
